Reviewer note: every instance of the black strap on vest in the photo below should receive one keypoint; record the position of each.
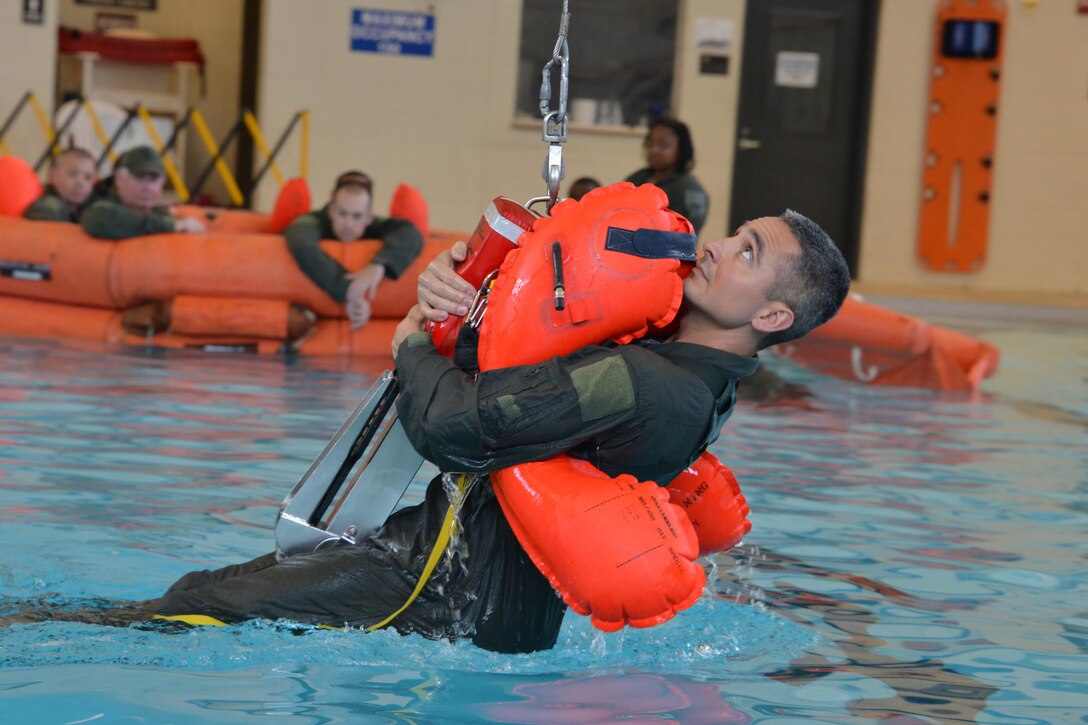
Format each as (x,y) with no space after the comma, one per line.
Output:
(651,243)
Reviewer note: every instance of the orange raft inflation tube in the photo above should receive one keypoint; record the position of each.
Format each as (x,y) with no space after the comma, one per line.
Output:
(619,550)
(871,344)
(234,287)
(231,288)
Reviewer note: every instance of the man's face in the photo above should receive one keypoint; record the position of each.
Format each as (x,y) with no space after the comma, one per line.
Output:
(349,211)
(142,193)
(73,177)
(730,281)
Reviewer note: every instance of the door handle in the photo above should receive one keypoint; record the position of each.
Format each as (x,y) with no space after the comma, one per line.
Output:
(748,144)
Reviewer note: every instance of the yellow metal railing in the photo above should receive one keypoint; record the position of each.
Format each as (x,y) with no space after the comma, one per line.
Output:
(167,162)
(220,165)
(193,116)
(258,141)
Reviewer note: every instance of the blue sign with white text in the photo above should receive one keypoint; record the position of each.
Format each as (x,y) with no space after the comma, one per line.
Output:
(392,32)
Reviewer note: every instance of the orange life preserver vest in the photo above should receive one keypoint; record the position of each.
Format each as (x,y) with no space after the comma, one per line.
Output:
(616,549)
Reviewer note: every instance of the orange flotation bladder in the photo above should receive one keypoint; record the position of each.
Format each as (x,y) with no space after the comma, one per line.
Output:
(19,186)
(709,494)
(616,549)
(607,295)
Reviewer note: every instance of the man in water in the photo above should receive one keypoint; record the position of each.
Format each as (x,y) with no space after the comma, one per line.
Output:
(648,408)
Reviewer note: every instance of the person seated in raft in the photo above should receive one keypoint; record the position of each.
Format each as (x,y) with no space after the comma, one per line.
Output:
(670,156)
(70,190)
(647,408)
(582,186)
(131,203)
(348,217)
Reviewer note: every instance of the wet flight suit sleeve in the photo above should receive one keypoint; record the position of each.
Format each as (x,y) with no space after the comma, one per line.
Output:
(511,415)
(401,244)
(110,219)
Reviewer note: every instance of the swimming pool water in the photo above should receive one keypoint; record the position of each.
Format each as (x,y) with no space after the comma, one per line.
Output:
(916,557)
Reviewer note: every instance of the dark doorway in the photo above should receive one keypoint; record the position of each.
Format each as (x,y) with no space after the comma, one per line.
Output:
(251,52)
(803,116)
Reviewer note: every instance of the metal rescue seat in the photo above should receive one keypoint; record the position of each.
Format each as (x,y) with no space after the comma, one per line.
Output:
(356,481)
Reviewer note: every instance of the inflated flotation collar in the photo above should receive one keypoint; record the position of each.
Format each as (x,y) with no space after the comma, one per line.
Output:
(616,549)
(610,291)
(19,186)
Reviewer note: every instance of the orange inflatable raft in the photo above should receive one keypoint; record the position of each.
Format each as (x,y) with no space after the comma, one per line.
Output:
(235,287)
(872,344)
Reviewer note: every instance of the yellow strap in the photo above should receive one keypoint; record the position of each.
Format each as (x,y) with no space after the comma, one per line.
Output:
(213,149)
(88,108)
(193,619)
(304,145)
(258,141)
(432,562)
(43,121)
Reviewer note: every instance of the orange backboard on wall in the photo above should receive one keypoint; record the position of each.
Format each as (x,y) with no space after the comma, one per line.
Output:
(961,131)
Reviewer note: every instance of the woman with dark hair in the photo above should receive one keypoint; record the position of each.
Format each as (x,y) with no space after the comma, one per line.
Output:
(670,156)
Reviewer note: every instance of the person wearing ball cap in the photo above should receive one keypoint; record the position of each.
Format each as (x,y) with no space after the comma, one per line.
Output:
(132,201)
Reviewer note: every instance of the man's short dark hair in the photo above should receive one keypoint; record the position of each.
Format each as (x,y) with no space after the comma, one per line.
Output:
(353,180)
(813,283)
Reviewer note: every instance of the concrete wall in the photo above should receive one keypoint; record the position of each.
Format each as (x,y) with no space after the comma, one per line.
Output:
(28,59)
(444,124)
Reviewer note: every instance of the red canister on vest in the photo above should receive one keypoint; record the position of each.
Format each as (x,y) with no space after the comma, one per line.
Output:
(497,234)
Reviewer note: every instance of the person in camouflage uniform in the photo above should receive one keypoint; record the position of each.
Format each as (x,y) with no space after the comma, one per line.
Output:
(348,217)
(131,201)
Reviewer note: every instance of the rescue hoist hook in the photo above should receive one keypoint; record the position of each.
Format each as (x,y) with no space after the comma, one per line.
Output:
(555,122)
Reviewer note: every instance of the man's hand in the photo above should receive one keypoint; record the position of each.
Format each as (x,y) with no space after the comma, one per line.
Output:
(441,291)
(188,225)
(362,290)
(358,311)
(364,283)
(412,322)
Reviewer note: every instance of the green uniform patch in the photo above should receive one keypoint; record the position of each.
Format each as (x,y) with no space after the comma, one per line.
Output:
(603,388)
